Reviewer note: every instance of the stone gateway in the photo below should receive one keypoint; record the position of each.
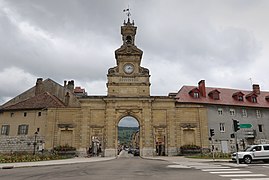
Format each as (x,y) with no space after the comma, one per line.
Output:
(63,116)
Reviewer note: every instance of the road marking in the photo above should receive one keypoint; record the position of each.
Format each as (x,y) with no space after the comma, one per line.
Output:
(243,175)
(177,166)
(251,179)
(229,172)
(210,167)
(227,169)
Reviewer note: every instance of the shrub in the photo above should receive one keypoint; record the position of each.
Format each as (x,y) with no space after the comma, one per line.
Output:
(64,148)
(217,155)
(190,149)
(27,157)
(65,151)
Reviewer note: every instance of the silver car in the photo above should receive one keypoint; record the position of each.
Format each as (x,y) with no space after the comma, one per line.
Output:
(253,153)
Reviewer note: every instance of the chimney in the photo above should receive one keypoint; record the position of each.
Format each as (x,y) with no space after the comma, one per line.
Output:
(201,86)
(71,85)
(39,87)
(65,83)
(256,88)
(67,98)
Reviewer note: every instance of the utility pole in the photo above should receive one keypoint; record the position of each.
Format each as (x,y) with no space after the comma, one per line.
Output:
(35,142)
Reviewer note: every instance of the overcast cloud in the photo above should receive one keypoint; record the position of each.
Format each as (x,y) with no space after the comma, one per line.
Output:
(225,42)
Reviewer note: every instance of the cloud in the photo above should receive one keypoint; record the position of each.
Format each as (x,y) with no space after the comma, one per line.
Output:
(223,42)
(20,79)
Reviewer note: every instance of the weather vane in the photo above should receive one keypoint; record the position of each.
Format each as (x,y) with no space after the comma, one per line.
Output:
(127,11)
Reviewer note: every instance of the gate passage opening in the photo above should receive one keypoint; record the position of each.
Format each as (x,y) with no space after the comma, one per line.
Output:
(129,135)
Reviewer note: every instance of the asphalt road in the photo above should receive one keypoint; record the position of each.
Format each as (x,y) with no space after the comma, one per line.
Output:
(127,167)
(117,169)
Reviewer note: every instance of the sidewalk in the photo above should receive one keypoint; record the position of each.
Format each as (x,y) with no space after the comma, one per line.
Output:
(54,162)
(172,159)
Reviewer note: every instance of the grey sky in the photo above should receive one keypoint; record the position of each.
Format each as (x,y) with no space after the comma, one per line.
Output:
(128,121)
(225,42)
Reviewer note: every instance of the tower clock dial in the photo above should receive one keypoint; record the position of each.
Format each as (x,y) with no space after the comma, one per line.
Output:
(128,68)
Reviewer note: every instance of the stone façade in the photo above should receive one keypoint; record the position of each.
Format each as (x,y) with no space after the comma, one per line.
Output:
(78,120)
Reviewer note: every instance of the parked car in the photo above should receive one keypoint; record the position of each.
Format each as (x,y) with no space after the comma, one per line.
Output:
(135,152)
(253,153)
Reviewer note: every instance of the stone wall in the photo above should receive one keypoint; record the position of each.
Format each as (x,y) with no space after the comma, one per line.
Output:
(9,144)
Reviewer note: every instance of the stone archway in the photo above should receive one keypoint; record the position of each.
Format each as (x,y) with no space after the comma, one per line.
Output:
(128,135)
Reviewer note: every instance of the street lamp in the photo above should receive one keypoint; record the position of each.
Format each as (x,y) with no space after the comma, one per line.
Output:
(35,142)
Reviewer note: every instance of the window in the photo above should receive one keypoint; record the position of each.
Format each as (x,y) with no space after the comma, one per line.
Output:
(266,148)
(254,99)
(257,148)
(221,127)
(12,114)
(5,130)
(258,114)
(220,111)
(244,113)
(260,127)
(39,113)
(240,98)
(232,112)
(25,114)
(216,96)
(196,95)
(23,129)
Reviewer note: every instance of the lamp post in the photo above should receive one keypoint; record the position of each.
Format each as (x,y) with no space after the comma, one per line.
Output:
(35,142)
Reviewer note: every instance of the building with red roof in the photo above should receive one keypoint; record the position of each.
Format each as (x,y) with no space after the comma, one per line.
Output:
(225,105)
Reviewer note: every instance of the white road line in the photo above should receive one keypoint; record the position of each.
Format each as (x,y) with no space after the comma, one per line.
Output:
(177,166)
(227,169)
(229,172)
(251,179)
(243,175)
(210,167)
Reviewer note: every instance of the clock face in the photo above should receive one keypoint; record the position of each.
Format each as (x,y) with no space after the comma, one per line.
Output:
(128,68)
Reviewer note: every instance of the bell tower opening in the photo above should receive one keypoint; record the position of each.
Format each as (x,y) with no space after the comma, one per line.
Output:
(128,137)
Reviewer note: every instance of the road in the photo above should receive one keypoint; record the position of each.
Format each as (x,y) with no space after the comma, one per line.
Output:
(129,167)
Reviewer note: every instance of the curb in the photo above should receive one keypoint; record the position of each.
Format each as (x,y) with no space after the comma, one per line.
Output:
(52,163)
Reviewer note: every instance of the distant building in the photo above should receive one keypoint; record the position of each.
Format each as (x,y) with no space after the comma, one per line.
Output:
(79,92)
(223,105)
(37,112)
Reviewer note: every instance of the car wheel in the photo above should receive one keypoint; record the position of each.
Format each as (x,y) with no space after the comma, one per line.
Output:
(247,159)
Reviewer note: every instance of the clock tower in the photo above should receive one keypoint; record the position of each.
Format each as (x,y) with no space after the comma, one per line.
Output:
(128,78)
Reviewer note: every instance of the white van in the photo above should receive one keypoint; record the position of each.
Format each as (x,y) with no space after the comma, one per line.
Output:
(253,153)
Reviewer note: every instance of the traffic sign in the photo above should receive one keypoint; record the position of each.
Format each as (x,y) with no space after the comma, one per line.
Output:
(245,125)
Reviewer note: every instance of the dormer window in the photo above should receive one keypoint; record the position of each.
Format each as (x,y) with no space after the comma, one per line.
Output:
(252,97)
(214,94)
(196,95)
(267,98)
(238,96)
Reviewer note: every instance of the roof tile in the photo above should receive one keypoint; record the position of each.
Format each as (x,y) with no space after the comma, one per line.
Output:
(44,100)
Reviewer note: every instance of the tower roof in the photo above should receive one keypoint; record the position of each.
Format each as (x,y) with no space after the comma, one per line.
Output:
(128,32)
